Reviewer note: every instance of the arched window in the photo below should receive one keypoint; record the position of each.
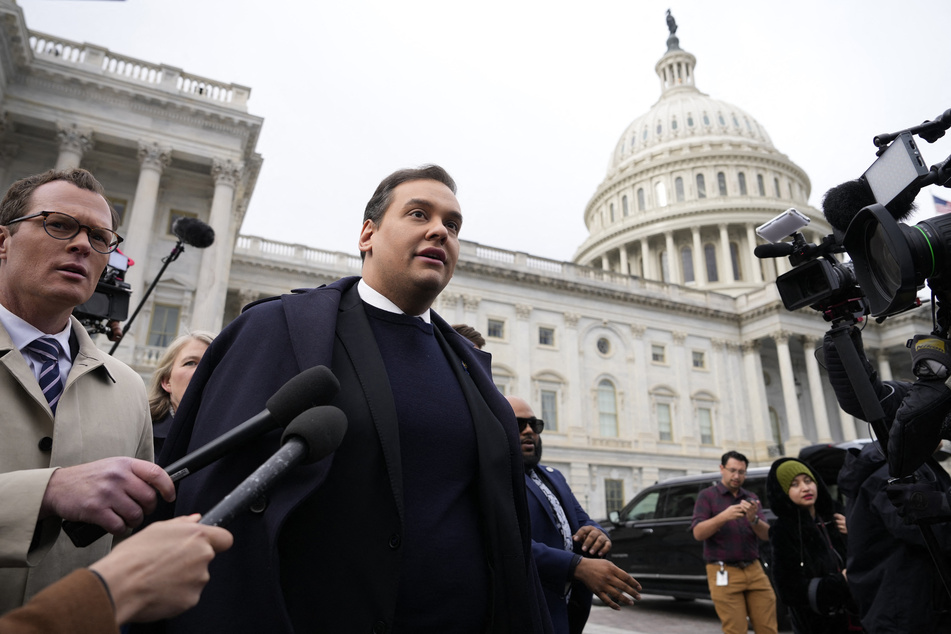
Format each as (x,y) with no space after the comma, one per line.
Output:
(673,123)
(640,199)
(735,258)
(607,409)
(721,183)
(689,120)
(661,192)
(760,185)
(624,207)
(701,187)
(706,119)
(742,178)
(710,257)
(679,189)
(686,262)
(776,186)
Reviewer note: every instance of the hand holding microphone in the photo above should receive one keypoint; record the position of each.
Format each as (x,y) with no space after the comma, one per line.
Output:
(312,387)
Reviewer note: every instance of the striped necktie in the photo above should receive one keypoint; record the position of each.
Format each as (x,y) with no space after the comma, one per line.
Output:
(47,350)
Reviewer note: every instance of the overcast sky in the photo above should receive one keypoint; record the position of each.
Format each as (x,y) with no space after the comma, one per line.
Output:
(522,101)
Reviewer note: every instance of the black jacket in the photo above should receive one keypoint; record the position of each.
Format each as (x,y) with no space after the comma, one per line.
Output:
(890,572)
(808,557)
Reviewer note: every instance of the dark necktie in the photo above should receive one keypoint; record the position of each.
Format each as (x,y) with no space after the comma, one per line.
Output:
(47,350)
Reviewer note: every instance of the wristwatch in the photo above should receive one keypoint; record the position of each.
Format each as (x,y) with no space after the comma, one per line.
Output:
(755,520)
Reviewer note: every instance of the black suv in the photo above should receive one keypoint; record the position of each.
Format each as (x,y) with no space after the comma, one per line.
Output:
(652,539)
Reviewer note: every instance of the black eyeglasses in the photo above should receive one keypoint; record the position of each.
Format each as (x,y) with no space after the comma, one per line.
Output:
(536,424)
(64,227)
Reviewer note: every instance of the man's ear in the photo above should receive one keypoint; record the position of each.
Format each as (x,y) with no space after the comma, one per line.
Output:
(366,236)
(4,236)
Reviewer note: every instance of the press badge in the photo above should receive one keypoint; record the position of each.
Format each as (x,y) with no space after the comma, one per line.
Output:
(722,579)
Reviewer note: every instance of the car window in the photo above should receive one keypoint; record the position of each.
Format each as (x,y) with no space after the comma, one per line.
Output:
(644,509)
(758,488)
(680,500)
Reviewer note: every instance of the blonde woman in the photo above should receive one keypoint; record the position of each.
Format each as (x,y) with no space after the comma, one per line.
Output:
(171,377)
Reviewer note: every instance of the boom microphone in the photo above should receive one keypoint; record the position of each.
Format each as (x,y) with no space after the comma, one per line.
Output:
(194,232)
(314,386)
(310,437)
(841,203)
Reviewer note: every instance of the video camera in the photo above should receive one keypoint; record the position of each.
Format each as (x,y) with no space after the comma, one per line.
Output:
(110,301)
(890,261)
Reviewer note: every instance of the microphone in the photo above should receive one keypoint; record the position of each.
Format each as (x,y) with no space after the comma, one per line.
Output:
(310,437)
(773,250)
(194,232)
(314,386)
(841,203)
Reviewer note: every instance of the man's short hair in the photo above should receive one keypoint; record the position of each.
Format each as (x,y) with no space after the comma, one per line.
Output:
(17,198)
(383,194)
(736,455)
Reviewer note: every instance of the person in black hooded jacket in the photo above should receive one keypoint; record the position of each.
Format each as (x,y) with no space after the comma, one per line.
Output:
(809,549)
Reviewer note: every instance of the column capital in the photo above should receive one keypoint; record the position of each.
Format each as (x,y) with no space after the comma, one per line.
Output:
(571,319)
(638,330)
(154,156)
(73,138)
(471,302)
(523,310)
(448,300)
(679,337)
(226,171)
(750,347)
(782,336)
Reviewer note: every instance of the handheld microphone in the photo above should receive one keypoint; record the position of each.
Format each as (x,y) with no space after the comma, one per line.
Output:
(194,232)
(310,437)
(314,386)
(773,250)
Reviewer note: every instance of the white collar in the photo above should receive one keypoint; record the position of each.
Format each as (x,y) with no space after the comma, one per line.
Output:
(377,300)
(23,333)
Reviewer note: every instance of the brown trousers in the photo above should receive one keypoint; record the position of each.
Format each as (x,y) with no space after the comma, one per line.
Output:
(748,593)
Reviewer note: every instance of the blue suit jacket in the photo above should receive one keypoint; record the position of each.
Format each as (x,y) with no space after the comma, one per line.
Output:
(322,551)
(551,558)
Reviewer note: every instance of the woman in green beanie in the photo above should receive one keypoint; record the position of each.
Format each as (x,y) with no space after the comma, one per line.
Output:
(808,546)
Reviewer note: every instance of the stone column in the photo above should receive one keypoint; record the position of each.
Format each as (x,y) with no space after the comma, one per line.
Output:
(726,266)
(673,263)
(528,339)
(759,407)
(884,365)
(756,273)
(140,219)
(605,266)
(572,418)
(815,391)
(848,426)
(647,262)
(622,254)
(794,419)
(686,432)
(216,259)
(73,143)
(699,261)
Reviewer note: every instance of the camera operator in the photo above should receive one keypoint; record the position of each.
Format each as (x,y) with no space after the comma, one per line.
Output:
(891,573)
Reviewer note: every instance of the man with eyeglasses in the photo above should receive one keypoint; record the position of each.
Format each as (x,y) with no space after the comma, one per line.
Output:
(567,545)
(418,522)
(74,422)
(729,520)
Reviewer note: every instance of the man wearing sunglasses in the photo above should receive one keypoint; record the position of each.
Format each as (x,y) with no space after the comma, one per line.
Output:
(77,440)
(567,545)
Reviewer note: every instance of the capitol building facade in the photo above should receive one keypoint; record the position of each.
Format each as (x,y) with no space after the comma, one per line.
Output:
(662,344)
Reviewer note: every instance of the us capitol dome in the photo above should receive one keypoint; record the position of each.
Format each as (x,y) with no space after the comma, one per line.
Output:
(692,177)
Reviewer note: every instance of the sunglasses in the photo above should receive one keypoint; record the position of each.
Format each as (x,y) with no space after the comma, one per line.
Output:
(536,424)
